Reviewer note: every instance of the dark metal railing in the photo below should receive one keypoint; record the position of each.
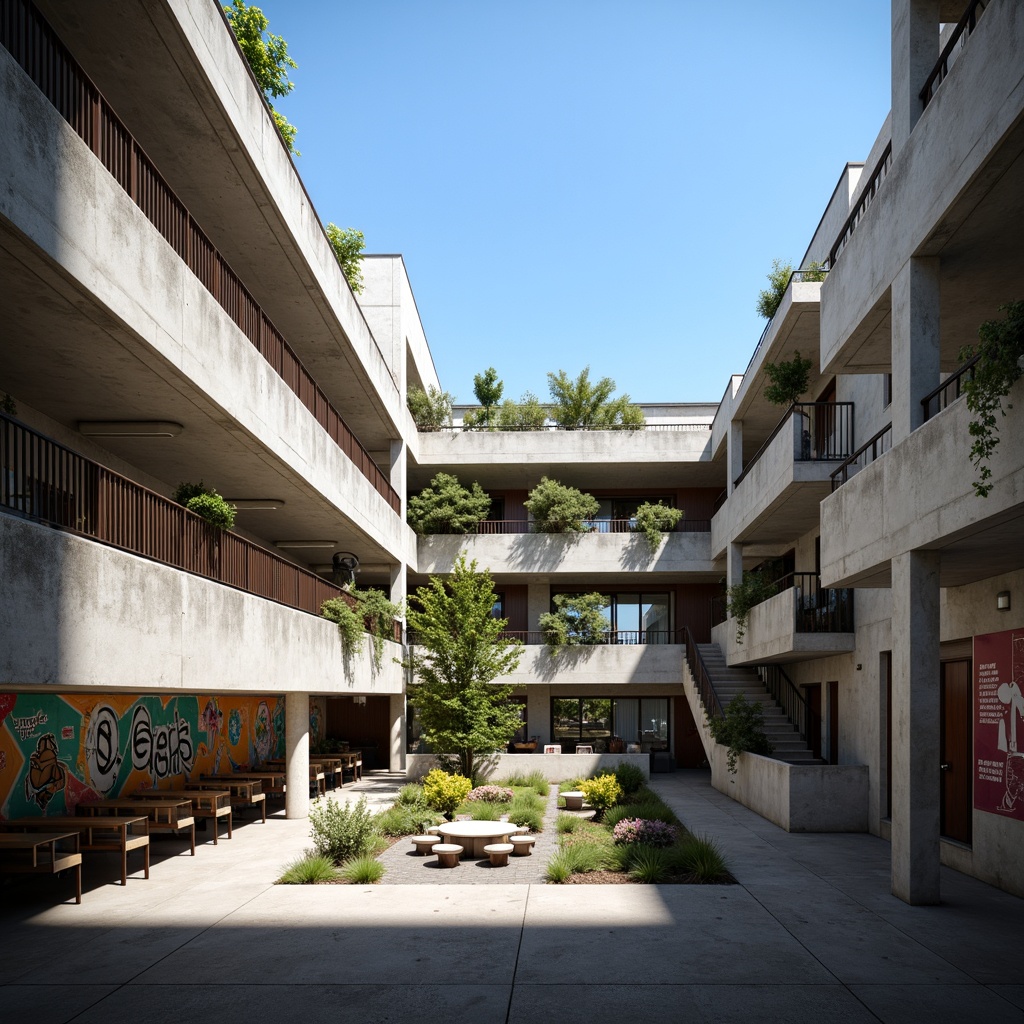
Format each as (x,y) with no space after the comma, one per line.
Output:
(46,482)
(481,428)
(493,527)
(620,637)
(818,609)
(719,502)
(701,677)
(872,449)
(809,275)
(787,695)
(866,198)
(949,390)
(35,46)
(964,27)
(822,432)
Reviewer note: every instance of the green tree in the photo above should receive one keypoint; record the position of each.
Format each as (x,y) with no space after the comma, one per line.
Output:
(431,409)
(488,390)
(787,380)
(579,620)
(447,507)
(769,299)
(582,405)
(348,245)
(459,651)
(526,414)
(559,509)
(267,57)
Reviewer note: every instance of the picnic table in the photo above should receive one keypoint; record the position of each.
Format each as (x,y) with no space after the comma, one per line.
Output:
(244,792)
(164,815)
(475,835)
(120,834)
(318,772)
(46,853)
(273,783)
(208,804)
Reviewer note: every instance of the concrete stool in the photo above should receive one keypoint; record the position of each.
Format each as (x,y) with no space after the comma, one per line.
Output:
(498,852)
(573,800)
(447,855)
(423,844)
(433,830)
(522,846)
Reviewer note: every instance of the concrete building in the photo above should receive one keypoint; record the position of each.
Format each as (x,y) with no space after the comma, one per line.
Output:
(175,313)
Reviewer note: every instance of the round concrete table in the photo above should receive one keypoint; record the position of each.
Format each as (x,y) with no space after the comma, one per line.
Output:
(475,835)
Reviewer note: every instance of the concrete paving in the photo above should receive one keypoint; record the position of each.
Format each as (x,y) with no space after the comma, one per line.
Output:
(810,934)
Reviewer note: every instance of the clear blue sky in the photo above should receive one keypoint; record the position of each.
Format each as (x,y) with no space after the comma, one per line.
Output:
(578,182)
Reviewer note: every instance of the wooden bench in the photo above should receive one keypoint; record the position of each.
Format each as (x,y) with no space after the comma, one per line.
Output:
(244,792)
(498,852)
(120,834)
(273,783)
(208,804)
(45,853)
(164,815)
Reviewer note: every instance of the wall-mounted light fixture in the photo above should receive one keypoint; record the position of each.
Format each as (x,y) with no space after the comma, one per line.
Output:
(1003,600)
(254,504)
(129,428)
(300,544)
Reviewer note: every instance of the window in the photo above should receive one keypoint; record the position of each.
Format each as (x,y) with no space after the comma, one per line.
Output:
(643,721)
(640,618)
(615,515)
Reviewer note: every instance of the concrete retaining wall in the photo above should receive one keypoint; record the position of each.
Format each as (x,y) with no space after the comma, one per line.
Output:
(555,767)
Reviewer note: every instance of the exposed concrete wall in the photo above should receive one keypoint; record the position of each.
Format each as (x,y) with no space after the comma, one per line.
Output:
(104,243)
(603,666)
(555,767)
(568,555)
(79,614)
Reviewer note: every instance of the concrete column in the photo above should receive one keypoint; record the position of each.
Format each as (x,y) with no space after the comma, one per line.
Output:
(538,711)
(399,464)
(538,601)
(915,342)
(399,584)
(734,454)
(915,49)
(733,565)
(915,727)
(296,742)
(396,709)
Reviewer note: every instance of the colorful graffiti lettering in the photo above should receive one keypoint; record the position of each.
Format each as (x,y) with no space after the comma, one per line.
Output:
(102,748)
(26,726)
(164,750)
(47,774)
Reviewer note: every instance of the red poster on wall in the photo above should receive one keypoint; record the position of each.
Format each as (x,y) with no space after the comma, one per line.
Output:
(999,723)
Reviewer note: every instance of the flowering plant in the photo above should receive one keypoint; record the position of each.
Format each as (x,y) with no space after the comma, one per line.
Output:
(643,830)
(491,794)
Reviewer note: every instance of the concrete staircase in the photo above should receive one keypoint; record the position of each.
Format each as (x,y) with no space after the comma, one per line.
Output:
(728,682)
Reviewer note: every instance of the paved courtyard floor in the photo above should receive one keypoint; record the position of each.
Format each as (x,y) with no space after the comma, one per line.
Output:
(810,934)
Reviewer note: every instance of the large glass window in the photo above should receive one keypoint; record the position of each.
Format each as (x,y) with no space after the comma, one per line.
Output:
(638,618)
(643,721)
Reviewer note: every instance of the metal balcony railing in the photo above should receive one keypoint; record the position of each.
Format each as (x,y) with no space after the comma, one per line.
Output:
(873,448)
(701,677)
(35,46)
(818,609)
(822,432)
(46,482)
(949,390)
(860,207)
(796,706)
(965,26)
(491,527)
(620,637)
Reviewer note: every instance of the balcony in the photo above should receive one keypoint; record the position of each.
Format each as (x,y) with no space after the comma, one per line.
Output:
(803,620)
(617,664)
(508,547)
(776,497)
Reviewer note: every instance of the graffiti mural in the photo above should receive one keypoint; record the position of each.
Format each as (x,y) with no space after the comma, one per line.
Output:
(57,751)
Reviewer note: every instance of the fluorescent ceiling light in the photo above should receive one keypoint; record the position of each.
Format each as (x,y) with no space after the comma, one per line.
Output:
(129,428)
(305,543)
(255,503)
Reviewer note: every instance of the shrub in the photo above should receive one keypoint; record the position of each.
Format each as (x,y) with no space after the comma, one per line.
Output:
(406,819)
(740,728)
(445,792)
(348,245)
(566,824)
(534,780)
(579,620)
(581,405)
(788,379)
(650,865)
(492,794)
(528,816)
(431,409)
(341,831)
(309,870)
(753,589)
(526,414)
(214,509)
(445,506)
(644,830)
(374,614)
(770,298)
(362,870)
(630,777)
(556,508)
(485,812)
(410,793)
(653,520)
(701,857)
(601,793)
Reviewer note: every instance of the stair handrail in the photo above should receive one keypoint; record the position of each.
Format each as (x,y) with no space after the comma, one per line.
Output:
(785,692)
(701,676)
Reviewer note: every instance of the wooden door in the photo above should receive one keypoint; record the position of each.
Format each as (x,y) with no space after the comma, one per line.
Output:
(955,750)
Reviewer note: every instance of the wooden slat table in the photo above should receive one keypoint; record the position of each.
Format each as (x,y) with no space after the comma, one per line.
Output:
(209,804)
(273,782)
(318,772)
(120,834)
(244,792)
(352,761)
(164,815)
(46,853)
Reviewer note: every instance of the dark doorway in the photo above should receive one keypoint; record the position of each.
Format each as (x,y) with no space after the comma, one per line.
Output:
(813,691)
(955,750)
(833,723)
